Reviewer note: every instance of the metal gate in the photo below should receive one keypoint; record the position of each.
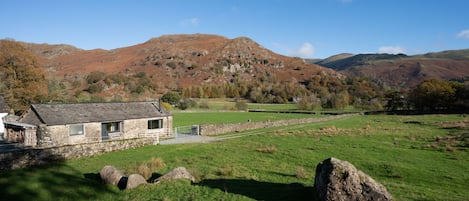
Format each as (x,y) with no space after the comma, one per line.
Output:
(186,131)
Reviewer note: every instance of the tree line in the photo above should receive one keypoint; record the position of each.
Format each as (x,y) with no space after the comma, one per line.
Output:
(320,91)
(431,96)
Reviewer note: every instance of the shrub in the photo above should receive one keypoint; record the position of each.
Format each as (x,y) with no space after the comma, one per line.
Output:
(301,173)
(267,149)
(166,106)
(186,103)
(157,163)
(309,103)
(171,97)
(204,105)
(140,75)
(95,77)
(226,171)
(95,88)
(144,170)
(183,105)
(171,65)
(241,105)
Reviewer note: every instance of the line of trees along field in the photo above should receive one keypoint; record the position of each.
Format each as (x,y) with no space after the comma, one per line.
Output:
(23,82)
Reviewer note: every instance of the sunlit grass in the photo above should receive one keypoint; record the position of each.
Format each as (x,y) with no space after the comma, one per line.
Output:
(278,164)
(194,118)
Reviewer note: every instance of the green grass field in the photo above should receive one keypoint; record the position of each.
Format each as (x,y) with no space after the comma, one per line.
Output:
(208,117)
(229,104)
(415,157)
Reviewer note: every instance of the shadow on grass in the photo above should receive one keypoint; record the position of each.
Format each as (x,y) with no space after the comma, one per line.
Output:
(260,190)
(50,182)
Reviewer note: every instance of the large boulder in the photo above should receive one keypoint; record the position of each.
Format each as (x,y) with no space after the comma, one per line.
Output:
(110,175)
(135,180)
(340,180)
(176,173)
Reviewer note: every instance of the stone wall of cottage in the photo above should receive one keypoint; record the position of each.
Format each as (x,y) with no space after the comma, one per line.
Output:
(52,136)
(134,128)
(44,138)
(23,157)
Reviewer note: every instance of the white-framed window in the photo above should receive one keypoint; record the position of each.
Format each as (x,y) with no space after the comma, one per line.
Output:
(76,129)
(113,127)
(155,123)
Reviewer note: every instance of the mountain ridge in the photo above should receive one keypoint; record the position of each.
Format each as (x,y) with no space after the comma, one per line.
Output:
(403,71)
(180,59)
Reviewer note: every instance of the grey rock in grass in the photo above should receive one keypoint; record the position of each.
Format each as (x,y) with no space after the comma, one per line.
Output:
(340,180)
(176,173)
(135,180)
(110,175)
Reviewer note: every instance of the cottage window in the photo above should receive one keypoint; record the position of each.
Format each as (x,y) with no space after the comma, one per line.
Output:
(112,127)
(155,124)
(76,129)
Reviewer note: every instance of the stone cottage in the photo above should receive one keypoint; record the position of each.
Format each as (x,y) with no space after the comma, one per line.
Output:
(52,125)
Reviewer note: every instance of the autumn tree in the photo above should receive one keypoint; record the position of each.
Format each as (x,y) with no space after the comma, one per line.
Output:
(311,102)
(171,97)
(433,95)
(395,101)
(22,79)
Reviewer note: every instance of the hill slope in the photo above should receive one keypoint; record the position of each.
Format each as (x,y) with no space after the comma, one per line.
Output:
(178,61)
(401,70)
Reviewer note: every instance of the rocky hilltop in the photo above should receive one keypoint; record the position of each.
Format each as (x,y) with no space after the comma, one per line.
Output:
(178,60)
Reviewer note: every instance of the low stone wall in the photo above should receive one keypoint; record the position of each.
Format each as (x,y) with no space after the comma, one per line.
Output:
(24,157)
(214,129)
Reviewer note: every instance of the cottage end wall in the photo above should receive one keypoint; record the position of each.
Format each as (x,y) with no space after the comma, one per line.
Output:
(169,126)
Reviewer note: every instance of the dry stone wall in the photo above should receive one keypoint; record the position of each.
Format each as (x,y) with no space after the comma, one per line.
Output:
(214,129)
(24,157)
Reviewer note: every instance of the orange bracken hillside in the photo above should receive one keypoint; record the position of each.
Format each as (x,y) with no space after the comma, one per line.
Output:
(176,61)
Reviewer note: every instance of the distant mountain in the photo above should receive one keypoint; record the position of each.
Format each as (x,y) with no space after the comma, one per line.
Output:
(449,54)
(400,70)
(345,61)
(331,59)
(178,60)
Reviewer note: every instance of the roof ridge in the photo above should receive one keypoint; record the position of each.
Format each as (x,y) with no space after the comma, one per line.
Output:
(37,114)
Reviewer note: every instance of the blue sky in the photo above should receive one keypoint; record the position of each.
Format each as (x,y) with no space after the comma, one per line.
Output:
(305,28)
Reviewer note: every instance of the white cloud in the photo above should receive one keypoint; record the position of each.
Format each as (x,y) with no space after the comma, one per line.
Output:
(190,22)
(392,50)
(305,51)
(464,34)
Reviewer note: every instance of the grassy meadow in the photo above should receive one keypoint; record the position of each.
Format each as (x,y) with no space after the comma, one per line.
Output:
(415,157)
(212,117)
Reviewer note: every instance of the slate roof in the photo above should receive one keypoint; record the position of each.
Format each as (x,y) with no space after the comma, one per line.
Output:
(62,114)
